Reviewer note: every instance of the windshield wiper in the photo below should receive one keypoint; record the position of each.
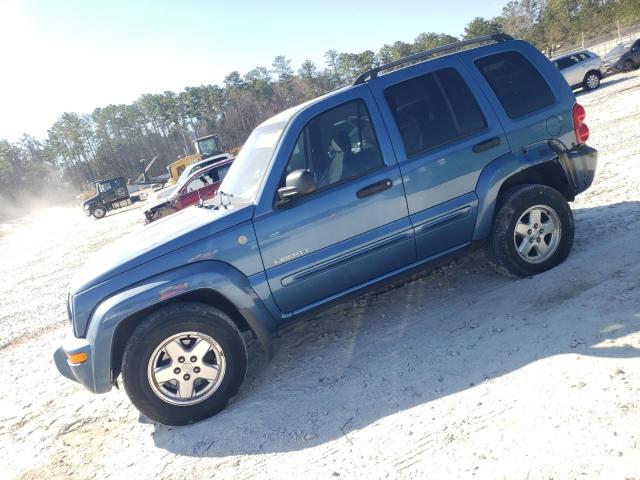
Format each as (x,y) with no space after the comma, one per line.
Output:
(213,205)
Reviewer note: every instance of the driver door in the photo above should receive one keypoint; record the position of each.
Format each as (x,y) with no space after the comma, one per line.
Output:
(195,190)
(354,227)
(107,192)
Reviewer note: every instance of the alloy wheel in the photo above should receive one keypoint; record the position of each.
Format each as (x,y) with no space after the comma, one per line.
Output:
(593,81)
(186,368)
(537,234)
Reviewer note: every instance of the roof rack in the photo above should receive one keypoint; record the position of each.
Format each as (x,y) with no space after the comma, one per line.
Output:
(373,73)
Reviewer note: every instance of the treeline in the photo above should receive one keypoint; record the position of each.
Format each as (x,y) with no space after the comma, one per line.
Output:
(111,140)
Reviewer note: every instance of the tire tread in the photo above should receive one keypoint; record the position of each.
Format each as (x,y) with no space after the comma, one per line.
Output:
(497,246)
(163,319)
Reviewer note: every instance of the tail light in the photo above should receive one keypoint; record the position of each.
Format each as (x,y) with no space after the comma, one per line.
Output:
(581,129)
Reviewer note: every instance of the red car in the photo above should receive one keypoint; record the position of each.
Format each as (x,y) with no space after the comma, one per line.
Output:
(200,185)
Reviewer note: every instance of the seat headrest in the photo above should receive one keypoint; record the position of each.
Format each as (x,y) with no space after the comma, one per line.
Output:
(341,141)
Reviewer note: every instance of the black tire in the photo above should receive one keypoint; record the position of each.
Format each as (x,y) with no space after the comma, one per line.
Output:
(153,332)
(512,205)
(150,216)
(99,211)
(628,66)
(591,80)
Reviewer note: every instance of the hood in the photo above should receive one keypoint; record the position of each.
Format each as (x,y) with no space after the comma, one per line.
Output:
(163,194)
(152,205)
(90,200)
(613,57)
(157,239)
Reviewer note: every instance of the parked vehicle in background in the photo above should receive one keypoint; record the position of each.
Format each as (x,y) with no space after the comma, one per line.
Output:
(582,69)
(194,167)
(167,191)
(176,167)
(206,147)
(623,58)
(357,187)
(201,185)
(110,194)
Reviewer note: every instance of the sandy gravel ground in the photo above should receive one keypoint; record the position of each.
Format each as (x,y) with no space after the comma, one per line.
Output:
(456,374)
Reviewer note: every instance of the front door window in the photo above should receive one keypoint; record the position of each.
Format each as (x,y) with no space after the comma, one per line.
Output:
(337,145)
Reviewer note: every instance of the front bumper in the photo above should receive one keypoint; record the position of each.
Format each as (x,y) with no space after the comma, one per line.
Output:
(580,165)
(611,68)
(82,372)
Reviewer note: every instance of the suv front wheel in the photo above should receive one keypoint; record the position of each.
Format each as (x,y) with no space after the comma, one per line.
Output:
(532,231)
(183,363)
(99,211)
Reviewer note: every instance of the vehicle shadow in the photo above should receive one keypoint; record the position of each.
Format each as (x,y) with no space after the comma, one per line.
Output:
(118,211)
(439,334)
(609,81)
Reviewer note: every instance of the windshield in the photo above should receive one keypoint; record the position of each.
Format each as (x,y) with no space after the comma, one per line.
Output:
(247,171)
(183,176)
(208,147)
(619,50)
(190,169)
(104,187)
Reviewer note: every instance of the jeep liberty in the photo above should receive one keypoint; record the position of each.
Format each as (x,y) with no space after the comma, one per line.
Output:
(417,160)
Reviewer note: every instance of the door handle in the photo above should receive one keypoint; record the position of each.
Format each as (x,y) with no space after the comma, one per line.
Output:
(486,145)
(374,188)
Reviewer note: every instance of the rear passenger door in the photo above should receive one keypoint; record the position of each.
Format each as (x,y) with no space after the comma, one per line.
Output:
(573,72)
(587,63)
(444,136)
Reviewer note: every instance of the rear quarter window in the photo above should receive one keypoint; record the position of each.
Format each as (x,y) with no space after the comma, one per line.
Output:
(516,82)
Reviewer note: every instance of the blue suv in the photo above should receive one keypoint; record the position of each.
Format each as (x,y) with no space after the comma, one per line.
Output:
(416,161)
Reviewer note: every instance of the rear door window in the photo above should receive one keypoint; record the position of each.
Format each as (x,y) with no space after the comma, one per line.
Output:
(433,109)
(516,82)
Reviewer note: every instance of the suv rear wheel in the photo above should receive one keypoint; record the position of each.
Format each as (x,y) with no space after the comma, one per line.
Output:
(183,363)
(532,231)
(591,80)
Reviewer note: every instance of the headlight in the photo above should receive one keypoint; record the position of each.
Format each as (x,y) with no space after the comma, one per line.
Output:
(86,207)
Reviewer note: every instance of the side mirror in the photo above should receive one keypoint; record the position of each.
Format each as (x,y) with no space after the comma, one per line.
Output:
(297,184)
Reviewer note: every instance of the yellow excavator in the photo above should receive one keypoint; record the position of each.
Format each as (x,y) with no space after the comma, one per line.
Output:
(206,147)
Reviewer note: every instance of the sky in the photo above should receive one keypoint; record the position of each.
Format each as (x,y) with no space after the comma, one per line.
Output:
(76,55)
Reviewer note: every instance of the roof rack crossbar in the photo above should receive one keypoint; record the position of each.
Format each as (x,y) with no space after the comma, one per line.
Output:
(373,73)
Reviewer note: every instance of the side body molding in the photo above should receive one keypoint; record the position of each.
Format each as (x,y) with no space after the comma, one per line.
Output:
(215,276)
